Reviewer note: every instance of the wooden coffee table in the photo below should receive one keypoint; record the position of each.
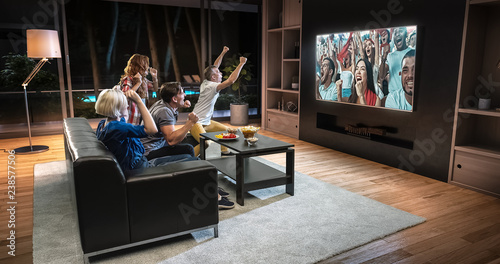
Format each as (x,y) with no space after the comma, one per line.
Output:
(248,173)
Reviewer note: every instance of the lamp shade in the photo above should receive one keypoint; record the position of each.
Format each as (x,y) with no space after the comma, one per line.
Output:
(43,43)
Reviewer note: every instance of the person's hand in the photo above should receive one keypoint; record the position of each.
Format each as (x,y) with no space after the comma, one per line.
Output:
(338,83)
(187,104)
(225,49)
(132,95)
(359,89)
(193,117)
(243,60)
(154,73)
(385,51)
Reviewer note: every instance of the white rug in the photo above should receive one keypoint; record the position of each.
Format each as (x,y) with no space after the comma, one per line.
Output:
(320,221)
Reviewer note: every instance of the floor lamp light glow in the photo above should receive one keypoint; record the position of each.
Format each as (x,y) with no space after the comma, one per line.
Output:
(42,44)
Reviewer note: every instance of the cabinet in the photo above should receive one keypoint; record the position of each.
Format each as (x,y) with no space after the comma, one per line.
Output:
(475,153)
(282,34)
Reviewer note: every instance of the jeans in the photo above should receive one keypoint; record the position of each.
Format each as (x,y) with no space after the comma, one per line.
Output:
(181,148)
(162,161)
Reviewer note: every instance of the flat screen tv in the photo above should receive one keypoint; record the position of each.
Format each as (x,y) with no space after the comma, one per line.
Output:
(369,67)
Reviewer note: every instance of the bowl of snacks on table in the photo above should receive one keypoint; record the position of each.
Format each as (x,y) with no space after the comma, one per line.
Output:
(251,141)
(249,131)
(232,130)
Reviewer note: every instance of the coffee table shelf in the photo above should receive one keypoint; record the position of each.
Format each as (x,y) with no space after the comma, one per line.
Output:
(257,175)
(251,174)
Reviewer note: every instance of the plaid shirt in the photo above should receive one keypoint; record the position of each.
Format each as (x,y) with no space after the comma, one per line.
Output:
(134,116)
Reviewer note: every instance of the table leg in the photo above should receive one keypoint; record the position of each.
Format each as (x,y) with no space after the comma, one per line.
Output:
(240,179)
(290,170)
(202,148)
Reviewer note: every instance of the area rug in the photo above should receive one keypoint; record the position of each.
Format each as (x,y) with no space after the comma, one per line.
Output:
(320,221)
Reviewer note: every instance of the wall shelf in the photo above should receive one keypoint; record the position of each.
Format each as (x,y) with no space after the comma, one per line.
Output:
(294,114)
(475,150)
(282,34)
(283,90)
(479,112)
(480,150)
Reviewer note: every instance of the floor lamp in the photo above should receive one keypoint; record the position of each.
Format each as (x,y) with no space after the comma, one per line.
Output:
(42,44)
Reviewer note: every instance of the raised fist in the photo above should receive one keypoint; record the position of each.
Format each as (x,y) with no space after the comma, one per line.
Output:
(153,72)
(243,60)
(359,89)
(132,95)
(193,117)
(187,104)
(225,49)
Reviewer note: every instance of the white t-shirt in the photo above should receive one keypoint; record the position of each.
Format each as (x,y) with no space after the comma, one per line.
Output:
(204,108)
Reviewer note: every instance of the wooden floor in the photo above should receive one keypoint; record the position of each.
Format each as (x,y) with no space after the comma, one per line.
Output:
(462,226)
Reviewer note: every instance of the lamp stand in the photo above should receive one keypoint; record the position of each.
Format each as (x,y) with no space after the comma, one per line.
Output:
(37,148)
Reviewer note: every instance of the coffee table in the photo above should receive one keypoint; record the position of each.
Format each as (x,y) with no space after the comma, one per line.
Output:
(248,173)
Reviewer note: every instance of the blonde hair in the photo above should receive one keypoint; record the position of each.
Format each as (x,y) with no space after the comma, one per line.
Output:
(111,102)
(209,71)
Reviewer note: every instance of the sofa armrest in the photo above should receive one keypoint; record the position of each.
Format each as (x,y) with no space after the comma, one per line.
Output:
(169,199)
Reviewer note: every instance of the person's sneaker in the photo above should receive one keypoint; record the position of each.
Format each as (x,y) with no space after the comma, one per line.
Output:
(223,193)
(224,203)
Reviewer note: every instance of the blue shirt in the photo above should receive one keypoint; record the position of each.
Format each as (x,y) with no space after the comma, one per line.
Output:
(330,93)
(397,100)
(122,139)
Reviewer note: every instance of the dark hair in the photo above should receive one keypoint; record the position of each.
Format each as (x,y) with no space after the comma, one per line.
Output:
(410,53)
(369,81)
(330,64)
(208,72)
(169,90)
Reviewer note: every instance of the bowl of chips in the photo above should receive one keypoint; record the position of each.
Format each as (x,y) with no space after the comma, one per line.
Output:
(249,131)
(252,141)
(232,130)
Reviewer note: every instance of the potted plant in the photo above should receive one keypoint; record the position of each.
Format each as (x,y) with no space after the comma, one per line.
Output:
(238,107)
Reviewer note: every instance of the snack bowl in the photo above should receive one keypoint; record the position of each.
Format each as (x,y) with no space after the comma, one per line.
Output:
(232,130)
(249,131)
(252,141)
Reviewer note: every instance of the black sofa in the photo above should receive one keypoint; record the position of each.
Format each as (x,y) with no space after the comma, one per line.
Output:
(117,210)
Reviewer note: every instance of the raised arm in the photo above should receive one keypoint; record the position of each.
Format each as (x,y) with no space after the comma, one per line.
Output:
(377,47)
(154,74)
(218,61)
(359,44)
(174,136)
(149,124)
(234,75)
(384,68)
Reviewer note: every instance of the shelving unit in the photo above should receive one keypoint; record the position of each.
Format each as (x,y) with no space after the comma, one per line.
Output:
(282,32)
(475,153)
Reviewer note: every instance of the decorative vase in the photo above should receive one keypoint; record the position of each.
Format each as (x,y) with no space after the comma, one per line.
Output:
(484,104)
(239,114)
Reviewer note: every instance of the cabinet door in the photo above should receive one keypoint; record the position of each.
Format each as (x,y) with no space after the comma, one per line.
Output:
(288,125)
(477,171)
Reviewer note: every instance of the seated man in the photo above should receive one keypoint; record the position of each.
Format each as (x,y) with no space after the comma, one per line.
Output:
(209,92)
(167,141)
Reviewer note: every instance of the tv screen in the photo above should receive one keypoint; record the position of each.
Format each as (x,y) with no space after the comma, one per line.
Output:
(370,67)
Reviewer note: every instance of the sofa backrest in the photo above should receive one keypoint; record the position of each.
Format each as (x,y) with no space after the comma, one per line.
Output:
(99,187)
